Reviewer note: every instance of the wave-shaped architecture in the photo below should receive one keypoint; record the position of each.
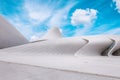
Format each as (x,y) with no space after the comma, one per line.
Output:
(54,57)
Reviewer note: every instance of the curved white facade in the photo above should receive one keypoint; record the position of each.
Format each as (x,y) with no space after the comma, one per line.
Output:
(115,46)
(54,57)
(95,46)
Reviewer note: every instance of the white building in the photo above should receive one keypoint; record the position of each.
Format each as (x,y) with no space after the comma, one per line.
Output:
(54,57)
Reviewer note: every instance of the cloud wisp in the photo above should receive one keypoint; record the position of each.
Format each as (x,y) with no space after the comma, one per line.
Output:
(117,3)
(115,31)
(50,14)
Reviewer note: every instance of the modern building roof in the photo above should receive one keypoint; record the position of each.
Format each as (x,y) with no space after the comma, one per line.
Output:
(96,57)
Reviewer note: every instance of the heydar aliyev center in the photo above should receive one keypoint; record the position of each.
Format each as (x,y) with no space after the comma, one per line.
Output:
(54,57)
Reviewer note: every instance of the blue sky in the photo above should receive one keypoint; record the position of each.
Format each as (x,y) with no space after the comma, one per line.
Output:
(33,18)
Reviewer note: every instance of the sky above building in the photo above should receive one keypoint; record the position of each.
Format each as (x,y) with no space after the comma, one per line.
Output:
(33,18)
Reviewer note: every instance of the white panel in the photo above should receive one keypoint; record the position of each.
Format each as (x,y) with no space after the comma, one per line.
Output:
(116,46)
(9,36)
(95,46)
(62,46)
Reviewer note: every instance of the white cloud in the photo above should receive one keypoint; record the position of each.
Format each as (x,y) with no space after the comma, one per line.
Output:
(37,11)
(37,36)
(83,17)
(117,2)
(34,38)
(49,14)
(59,18)
(86,18)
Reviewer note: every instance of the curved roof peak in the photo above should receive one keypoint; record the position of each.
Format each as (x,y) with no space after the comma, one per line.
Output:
(53,33)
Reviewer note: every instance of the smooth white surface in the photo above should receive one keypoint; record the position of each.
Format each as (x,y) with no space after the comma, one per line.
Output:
(63,46)
(53,33)
(13,71)
(56,52)
(9,36)
(60,54)
(93,65)
(116,46)
(95,46)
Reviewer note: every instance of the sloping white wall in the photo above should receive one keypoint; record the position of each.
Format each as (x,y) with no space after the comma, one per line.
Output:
(9,36)
(63,46)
